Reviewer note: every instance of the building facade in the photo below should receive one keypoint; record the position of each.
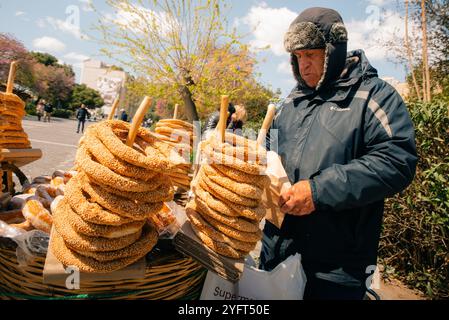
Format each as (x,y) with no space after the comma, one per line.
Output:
(109,81)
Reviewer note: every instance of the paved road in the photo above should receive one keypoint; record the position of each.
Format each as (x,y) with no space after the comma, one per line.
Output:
(58,141)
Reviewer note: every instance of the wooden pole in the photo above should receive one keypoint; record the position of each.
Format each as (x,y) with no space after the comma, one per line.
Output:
(175,114)
(114,108)
(266,124)
(426,78)
(409,53)
(11,77)
(223,118)
(137,120)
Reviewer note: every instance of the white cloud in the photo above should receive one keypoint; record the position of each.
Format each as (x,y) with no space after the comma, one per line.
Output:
(268,26)
(66,27)
(20,13)
(48,44)
(372,34)
(74,56)
(284,67)
(128,16)
(76,59)
(379,3)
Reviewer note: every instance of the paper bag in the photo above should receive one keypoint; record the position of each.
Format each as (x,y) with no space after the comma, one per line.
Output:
(285,282)
(279,183)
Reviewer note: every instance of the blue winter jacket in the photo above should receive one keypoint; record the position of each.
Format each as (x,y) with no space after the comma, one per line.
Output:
(355,142)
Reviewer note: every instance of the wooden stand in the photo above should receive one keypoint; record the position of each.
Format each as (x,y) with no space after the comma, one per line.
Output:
(12,160)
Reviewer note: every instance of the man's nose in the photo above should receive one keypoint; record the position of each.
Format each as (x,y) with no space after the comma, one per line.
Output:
(304,64)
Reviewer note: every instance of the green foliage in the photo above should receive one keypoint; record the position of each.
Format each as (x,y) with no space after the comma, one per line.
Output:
(62,113)
(416,226)
(173,44)
(30,108)
(44,58)
(82,94)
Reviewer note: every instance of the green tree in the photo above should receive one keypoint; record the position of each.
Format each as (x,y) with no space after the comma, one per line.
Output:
(168,42)
(44,58)
(81,94)
(12,49)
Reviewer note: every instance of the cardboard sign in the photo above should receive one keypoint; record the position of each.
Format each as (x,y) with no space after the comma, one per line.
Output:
(56,273)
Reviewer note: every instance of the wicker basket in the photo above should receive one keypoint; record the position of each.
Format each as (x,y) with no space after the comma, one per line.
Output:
(169,275)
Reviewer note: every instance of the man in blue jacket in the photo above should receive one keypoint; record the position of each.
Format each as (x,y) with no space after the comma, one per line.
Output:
(347,142)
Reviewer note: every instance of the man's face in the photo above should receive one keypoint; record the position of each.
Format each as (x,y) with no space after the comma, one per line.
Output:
(311,65)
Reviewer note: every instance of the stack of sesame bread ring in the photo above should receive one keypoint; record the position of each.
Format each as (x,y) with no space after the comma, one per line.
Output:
(101,224)
(12,110)
(226,210)
(178,134)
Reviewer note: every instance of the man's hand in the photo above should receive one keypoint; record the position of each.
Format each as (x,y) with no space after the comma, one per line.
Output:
(298,199)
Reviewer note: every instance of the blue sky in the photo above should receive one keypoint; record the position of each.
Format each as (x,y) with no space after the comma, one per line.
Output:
(51,26)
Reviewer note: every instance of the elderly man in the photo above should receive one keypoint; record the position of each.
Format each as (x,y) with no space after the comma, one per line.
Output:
(347,142)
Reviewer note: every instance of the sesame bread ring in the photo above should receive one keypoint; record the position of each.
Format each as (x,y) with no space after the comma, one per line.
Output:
(214,157)
(106,158)
(82,242)
(221,192)
(69,257)
(171,125)
(214,203)
(234,222)
(164,138)
(177,121)
(14,113)
(9,118)
(153,161)
(179,175)
(229,231)
(10,140)
(10,126)
(119,205)
(90,211)
(14,133)
(175,134)
(227,208)
(13,110)
(164,193)
(96,230)
(8,145)
(199,224)
(10,97)
(139,248)
(240,188)
(262,181)
(221,248)
(106,176)
(245,152)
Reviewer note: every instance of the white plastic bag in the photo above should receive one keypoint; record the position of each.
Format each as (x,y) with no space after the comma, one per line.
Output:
(285,282)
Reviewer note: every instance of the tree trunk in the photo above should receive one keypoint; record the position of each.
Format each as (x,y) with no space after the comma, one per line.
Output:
(409,53)
(425,56)
(189,104)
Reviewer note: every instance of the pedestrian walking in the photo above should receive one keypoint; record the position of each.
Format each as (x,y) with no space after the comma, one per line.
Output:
(48,109)
(81,115)
(40,109)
